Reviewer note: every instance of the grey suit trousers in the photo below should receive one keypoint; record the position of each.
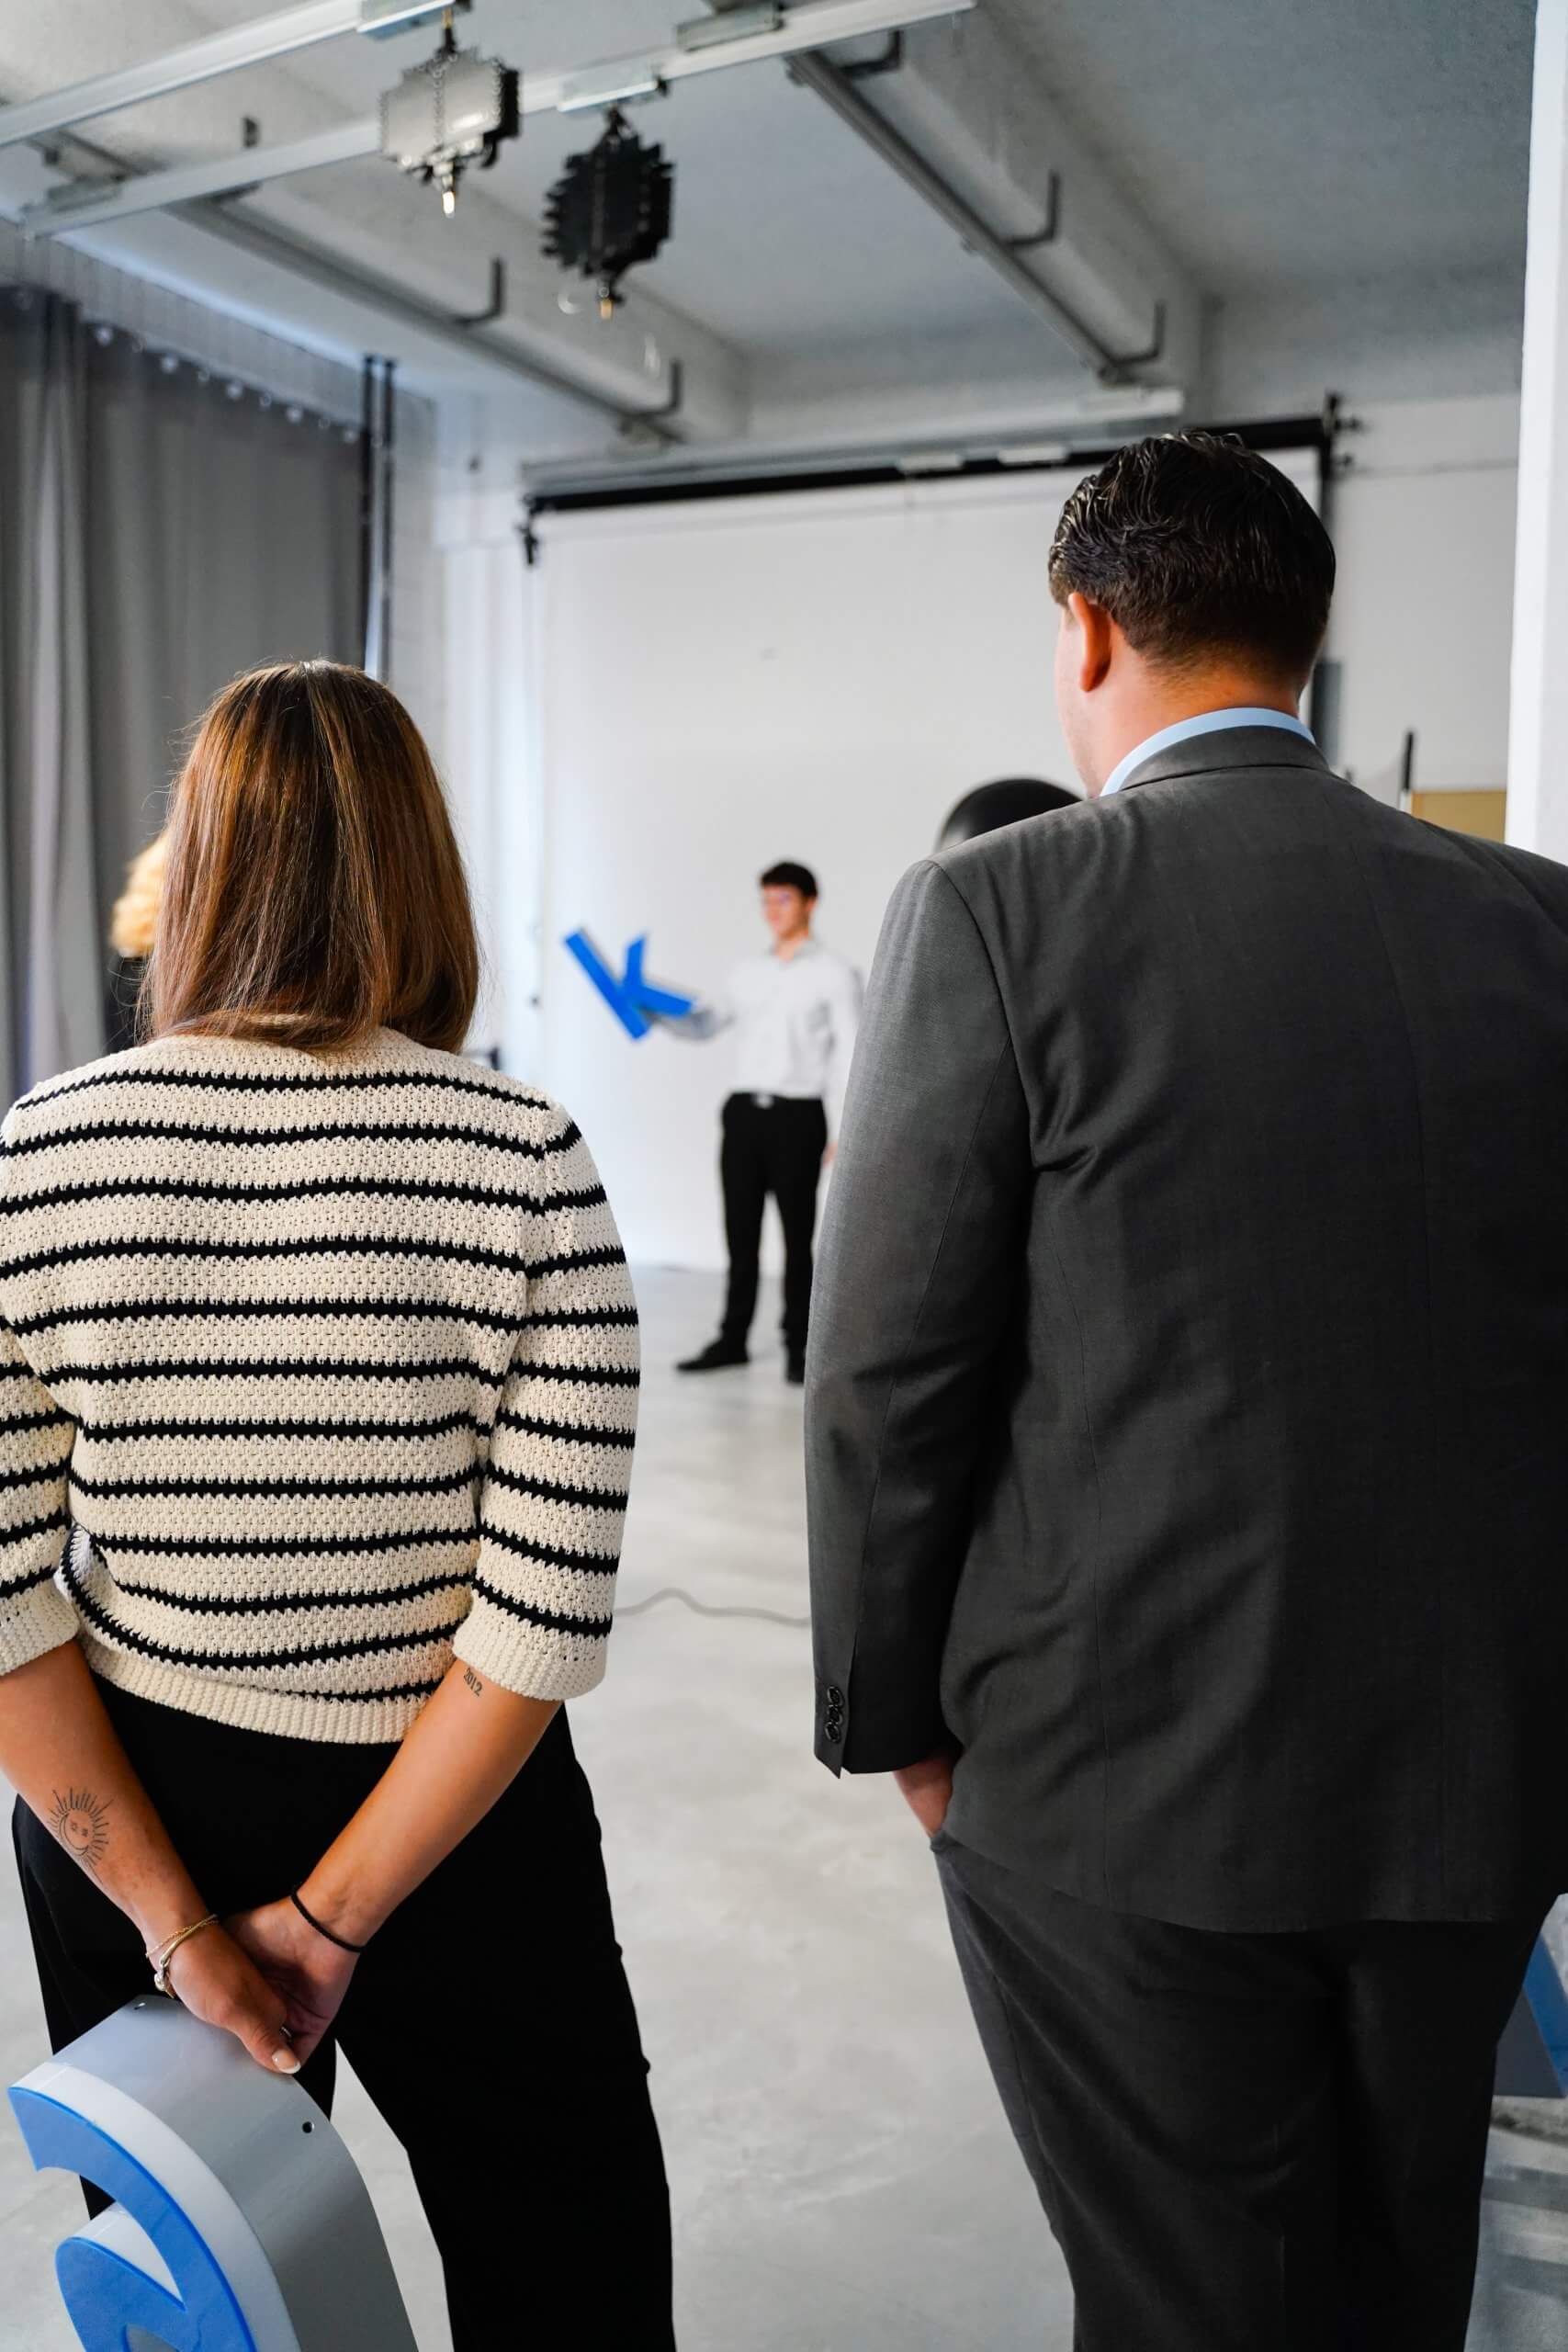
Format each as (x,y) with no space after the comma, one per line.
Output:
(1244,2143)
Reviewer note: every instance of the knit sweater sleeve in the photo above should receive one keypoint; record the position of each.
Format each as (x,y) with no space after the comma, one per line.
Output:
(34,1520)
(552,1506)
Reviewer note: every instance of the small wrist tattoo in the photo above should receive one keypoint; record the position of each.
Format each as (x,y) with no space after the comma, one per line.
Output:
(79,1820)
(472,1680)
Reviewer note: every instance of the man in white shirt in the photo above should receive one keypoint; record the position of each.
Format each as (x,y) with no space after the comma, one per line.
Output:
(795,1010)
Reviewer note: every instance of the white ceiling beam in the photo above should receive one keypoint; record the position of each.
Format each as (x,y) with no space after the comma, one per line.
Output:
(88,204)
(970,104)
(257,43)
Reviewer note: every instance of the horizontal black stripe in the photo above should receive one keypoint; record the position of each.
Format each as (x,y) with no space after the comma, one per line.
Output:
(273,1547)
(574,1261)
(243,1082)
(139,1246)
(252,1661)
(449,1482)
(340,1368)
(567,1433)
(40,1478)
(213,1604)
(597,1375)
(273,1310)
(19,1424)
(374,1188)
(578,1561)
(25,1529)
(13,1587)
(133,1432)
(548,1620)
(266,1138)
(545,1490)
(280,1368)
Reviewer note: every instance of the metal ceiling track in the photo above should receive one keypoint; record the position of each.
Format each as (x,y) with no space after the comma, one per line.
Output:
(561,491)
(204,60)
(778,31)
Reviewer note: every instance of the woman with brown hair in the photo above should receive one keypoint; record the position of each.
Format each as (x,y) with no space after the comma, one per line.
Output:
(318,1381)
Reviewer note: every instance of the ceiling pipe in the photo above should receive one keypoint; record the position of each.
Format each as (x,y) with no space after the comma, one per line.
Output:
(837,89)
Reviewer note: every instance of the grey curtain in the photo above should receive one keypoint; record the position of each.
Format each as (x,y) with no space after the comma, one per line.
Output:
(51,982)
(160,531)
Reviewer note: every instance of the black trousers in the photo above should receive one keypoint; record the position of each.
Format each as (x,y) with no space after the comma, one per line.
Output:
(1244,2143)
(489,2021)
(775,1148)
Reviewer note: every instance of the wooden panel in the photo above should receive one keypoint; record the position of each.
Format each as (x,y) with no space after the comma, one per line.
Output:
(1480,813)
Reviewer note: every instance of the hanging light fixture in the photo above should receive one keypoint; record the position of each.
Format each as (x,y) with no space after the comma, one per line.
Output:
(610,209)
(454,110)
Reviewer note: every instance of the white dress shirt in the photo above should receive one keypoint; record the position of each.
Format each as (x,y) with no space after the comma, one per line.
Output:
(796,1017)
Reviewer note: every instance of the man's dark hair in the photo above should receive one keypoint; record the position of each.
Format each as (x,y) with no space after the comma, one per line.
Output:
(788,875)
(1197,546)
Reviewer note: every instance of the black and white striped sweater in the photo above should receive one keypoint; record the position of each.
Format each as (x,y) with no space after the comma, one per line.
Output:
(331,1363)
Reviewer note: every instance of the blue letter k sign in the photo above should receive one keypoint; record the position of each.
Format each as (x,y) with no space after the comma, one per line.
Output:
(634,997)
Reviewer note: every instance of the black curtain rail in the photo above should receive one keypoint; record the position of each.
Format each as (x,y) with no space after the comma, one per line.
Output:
(1312,432)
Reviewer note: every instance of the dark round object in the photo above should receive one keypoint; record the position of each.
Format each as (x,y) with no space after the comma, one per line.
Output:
(1007,802)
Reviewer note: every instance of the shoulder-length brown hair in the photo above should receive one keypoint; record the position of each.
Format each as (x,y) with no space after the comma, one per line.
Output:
(314,891)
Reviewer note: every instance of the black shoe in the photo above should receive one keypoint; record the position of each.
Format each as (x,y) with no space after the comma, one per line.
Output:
(795,1372)
(717,1356)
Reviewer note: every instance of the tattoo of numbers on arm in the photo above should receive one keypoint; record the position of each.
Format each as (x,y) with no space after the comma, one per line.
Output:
(472,1680)
(79,1820)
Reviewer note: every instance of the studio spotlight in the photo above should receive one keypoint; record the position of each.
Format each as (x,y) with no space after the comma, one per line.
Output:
(451,111)
(610,209)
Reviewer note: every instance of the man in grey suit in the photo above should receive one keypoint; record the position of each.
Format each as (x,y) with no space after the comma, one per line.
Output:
(1188,1451)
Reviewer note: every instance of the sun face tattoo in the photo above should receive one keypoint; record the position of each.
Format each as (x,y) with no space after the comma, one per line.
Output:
(79,1820)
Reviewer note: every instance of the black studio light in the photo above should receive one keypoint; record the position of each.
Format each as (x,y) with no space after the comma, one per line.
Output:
(610,209)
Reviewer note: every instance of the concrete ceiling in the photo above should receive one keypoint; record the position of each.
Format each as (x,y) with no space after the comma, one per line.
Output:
(1283,141)
(1249,148)
(1392,136)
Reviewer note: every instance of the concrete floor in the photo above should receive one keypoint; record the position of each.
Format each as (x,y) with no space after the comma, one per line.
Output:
(843,2180)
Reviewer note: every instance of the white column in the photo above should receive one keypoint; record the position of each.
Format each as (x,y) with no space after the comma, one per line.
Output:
(492,614)
(1537,750)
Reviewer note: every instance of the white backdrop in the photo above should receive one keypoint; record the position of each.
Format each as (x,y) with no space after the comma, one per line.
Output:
(677,695)
(725,684)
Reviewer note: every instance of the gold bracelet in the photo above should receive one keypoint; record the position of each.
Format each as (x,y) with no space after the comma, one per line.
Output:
(158,1959)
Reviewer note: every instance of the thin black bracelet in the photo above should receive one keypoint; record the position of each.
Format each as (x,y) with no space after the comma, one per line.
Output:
(341,1941)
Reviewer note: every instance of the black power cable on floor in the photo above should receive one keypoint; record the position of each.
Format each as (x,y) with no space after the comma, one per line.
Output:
(708,1608)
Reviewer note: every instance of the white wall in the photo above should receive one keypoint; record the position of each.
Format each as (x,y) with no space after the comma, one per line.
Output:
(1423,523)
(676,696)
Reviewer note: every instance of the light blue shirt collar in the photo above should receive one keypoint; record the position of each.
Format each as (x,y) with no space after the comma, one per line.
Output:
(1210,722)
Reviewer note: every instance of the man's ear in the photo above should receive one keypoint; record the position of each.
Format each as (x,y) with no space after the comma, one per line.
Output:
(1096,630)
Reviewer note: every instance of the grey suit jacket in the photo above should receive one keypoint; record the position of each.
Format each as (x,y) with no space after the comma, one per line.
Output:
(1187,1391)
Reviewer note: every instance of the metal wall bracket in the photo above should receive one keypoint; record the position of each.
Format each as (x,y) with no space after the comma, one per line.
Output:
(1050,233)
(863,69)
(666,409)
(496,304)
(379,19)
(1116,368)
